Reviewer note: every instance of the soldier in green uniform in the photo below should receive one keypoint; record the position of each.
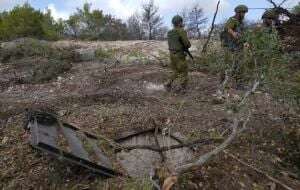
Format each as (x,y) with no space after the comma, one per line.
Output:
(269,18)
(232,35)
(178,45)
(232,41)
(264,39)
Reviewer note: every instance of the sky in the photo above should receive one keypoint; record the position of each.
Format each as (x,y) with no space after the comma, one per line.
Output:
(168,8)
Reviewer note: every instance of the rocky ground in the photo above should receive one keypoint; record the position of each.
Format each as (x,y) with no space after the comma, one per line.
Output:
(116,86)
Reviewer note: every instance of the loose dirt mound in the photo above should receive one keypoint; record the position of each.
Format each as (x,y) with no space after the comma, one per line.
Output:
(30,61)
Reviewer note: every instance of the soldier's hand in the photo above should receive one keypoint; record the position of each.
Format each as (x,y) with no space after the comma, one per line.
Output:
(236,35)
(246,45)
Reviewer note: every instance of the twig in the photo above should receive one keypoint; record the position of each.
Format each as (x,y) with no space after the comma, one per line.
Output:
(284,1)
(258,171)
(163,157)
(211,30)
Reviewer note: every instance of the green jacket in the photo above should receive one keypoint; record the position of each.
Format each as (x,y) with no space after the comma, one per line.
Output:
(227,40)
(178,40)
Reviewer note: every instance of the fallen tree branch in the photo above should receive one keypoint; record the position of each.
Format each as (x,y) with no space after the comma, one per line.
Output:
(206,157)
(211,30)
(203,159)
(258,171)
(167,148)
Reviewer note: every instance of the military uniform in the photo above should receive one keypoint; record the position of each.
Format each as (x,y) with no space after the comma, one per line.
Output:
(233,47)
(178,42)
(227,40)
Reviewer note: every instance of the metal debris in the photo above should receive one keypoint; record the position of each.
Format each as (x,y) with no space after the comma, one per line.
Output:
(66,142)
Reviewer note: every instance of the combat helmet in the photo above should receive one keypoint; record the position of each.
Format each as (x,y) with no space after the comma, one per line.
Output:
(269,14)
(241,9)
(177,19)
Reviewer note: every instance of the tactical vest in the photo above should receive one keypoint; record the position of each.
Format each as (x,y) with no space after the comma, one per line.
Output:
(174,41)
(228,41)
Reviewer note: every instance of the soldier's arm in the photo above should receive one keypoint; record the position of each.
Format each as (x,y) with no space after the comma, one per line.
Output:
(184,39)
(230,26)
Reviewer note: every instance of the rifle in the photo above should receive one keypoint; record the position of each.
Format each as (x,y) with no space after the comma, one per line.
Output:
(189,53)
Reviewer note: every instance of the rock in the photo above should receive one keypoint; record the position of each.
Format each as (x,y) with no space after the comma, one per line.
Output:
(4,140)
(62,113)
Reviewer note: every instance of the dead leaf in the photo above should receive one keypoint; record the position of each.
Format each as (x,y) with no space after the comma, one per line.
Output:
(169,182)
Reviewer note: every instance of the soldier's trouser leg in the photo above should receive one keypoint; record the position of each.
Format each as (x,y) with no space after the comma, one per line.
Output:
(228,61)
(238,68)
(183,73)
(180,69)
(174,73)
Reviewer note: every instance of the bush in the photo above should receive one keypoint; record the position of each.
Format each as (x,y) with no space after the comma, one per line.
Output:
(24,21)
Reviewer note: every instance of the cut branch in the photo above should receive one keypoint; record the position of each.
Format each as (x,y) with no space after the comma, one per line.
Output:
(211,30)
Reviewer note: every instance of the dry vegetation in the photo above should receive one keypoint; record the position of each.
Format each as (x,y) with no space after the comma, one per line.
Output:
(120,89)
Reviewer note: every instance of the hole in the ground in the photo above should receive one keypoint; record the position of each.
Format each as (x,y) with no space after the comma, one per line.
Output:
(141,162)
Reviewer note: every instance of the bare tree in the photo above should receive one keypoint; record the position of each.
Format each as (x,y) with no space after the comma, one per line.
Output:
(196,21)
(135,29)
(151,19)
(185,15)
(160,33)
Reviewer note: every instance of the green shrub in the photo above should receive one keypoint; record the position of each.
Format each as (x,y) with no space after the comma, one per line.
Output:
(25,21)
(104,53)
